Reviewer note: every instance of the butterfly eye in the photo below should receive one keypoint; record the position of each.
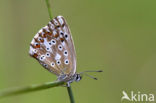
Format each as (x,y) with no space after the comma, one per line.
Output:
(66,61)
(65,53)
(52,64)
(58,62)
(53,41)
(48,54)
(60,47)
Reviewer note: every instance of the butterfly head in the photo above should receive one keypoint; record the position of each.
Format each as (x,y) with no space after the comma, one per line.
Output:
(78,77)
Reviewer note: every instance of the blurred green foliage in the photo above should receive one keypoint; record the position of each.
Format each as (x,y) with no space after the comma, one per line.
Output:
(117,36)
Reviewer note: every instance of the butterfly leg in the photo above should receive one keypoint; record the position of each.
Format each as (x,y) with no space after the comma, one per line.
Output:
(68,84)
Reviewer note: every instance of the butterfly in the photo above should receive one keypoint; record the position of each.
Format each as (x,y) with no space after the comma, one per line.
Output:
(54,49)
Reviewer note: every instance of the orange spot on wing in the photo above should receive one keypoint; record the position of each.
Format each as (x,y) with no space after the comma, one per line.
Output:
(49,33)
(37,46)
(62,39)
(36,40)
(44,35)
(35,55)
(56,35)
(42,40)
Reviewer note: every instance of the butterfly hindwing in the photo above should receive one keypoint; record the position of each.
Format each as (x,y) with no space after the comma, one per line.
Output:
(53,47)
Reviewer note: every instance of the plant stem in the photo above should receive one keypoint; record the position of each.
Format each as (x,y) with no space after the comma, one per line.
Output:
(70,94)
(31,88)
(68,88)
(49,9)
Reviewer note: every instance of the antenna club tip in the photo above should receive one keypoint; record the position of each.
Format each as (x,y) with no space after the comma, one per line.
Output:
(100,71)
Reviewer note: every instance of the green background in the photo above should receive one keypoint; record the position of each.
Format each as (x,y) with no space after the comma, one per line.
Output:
(117,36)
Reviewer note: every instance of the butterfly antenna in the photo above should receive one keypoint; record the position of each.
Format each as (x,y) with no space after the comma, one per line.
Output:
(85,73)
(90,76)
(91,71)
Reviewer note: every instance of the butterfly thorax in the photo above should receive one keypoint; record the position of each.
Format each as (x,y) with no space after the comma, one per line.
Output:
(70,78)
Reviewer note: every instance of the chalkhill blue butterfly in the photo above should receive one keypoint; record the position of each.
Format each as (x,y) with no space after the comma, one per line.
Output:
(54,49)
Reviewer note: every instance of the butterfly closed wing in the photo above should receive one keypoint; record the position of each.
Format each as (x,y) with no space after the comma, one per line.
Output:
(53,47)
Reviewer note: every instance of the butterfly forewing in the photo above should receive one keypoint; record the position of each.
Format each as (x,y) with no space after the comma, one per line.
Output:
(53,47)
